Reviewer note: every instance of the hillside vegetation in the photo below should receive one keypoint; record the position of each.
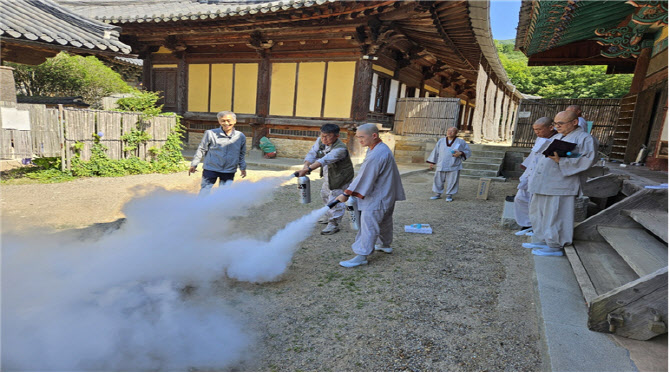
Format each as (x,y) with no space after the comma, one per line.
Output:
(583,81)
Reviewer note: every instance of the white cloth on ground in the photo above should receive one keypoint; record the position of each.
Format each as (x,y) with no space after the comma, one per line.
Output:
(552,218)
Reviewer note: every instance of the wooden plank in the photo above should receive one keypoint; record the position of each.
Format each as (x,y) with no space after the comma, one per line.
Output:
(606,269)
(637,302)
(583,279)
(643,253)
(643,199)
(654,220)
(603,186)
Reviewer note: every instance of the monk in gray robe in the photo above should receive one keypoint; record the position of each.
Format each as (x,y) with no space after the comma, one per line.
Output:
(447,157)
(544,129)
(555,183)
(377,187)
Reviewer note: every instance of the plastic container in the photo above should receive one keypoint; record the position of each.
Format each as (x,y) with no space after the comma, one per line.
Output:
(419,228)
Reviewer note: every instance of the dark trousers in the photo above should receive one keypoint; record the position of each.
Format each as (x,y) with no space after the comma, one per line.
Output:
(209,179)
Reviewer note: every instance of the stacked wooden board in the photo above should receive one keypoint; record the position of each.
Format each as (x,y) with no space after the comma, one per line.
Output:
(620,259)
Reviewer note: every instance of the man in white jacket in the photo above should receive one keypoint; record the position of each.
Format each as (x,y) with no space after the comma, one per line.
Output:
(544,129)
(555,183)
(447,158)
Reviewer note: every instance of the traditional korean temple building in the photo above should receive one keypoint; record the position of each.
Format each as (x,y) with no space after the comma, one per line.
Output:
(287,67)
(628,37)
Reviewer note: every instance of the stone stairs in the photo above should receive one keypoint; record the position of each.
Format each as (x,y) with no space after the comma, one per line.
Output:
(486,161)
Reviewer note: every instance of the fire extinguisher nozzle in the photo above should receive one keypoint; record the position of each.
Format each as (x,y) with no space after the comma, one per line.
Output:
(332,204)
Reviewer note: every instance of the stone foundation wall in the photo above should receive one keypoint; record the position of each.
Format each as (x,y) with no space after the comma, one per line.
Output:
(512,163)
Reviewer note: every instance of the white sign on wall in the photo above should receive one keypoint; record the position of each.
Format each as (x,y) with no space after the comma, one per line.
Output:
(524,114)
(14,119)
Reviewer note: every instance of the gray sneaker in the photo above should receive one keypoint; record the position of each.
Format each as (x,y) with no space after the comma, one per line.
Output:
(330,229)
(387,250)
(323,220)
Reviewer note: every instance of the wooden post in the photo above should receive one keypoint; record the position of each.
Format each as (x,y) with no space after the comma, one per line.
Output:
(147,72)
(182,83)
(61,136)
(360,105)
(641,67)
(262,102)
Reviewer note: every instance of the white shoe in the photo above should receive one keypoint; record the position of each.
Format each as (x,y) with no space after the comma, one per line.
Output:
(323,220)
(529,233)
(529,245)
(331,228)
(548,252)
(387,250)
(437,196)
(355,261)
(449,199)
(524,231)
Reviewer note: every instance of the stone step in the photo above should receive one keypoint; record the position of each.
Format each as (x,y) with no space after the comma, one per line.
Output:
(482,147)
(478,173)
(467,165)
(488,153)
(480,159)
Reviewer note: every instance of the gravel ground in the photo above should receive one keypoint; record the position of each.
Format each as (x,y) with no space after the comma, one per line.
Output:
(461,299)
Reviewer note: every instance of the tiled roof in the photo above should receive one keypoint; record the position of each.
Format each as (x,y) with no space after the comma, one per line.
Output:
(74,101)
(132,11)
(44,21)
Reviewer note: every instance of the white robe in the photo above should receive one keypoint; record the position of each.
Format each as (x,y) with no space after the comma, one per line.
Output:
(377,187)
(522,198)
(447,166)
(554,187)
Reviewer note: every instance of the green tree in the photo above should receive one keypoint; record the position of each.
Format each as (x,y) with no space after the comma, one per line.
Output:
(65,75)
(560,81)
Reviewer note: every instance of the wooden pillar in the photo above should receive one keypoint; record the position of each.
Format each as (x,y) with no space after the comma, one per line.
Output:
(147,73)
(466,115)
(360,106)
(259,128)
(182,83)
(641,67)
(471,116)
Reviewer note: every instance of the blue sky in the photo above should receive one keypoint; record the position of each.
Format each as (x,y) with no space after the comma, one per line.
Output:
(504,18)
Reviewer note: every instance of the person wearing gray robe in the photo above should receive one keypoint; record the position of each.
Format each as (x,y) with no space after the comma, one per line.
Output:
(447,157)
(544,129)
(377,187)
(555,183)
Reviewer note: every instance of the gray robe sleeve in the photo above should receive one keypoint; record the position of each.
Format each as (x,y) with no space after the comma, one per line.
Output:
(366,179)
(573,166)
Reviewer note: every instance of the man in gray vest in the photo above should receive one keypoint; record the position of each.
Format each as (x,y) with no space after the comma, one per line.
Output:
(331,154)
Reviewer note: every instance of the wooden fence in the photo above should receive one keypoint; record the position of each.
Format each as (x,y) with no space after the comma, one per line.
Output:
(426,116)
(54,132)
(604,114)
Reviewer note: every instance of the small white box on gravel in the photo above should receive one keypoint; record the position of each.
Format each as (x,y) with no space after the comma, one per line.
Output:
(419,228)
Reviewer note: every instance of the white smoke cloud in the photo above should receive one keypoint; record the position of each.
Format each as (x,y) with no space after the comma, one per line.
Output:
(117,303)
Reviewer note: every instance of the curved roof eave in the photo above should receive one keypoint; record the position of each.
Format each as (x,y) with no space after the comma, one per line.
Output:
(481,25)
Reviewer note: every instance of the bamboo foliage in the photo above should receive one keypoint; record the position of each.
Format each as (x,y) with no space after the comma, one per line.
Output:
(603,112)
(430,116)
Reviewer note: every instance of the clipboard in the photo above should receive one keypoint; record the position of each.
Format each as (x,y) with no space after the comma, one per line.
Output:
(559,146)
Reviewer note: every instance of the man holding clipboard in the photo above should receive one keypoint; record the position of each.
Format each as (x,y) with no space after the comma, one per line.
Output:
(557,180)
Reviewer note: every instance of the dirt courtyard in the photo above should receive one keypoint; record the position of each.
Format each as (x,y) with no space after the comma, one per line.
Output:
(461,299)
